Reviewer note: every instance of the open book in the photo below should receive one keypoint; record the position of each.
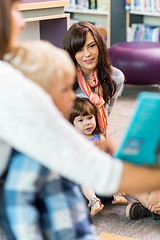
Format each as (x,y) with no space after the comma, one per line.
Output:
(141,141)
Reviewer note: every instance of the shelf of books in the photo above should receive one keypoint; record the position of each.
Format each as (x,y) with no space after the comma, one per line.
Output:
(95,11)
(147,25)
(87,11)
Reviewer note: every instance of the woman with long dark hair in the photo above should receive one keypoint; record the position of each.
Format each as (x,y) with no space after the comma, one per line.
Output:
(96,78)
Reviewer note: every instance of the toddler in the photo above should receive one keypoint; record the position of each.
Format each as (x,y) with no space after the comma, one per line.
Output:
(84,118)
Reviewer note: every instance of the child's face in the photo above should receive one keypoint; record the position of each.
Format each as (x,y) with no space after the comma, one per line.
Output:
(87,57)
(61,91)
(85,124)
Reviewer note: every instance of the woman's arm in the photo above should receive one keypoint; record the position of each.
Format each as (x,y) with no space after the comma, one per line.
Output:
(31,124)
(136,179)
(118,77)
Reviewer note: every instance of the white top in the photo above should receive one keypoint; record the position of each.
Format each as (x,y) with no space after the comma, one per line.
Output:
(30,122)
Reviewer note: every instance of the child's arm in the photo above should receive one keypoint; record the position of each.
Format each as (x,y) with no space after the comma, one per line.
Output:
(22,185)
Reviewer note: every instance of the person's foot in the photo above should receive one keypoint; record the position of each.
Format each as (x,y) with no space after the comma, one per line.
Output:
(119,199)
(96,209)
(137,211)
(96,206)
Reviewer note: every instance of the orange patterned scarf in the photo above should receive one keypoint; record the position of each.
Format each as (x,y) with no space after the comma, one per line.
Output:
(96,99)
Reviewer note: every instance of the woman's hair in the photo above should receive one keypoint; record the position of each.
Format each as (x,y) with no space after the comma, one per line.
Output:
(5,25)
(40,61)
(75,39)
(83,107)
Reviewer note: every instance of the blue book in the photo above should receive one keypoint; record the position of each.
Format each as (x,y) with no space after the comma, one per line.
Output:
(141,142)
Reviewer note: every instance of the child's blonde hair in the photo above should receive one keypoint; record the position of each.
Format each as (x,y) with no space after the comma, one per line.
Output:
(40,61)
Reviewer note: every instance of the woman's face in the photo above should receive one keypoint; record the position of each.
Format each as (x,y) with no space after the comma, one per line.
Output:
(87,57)
(17,23)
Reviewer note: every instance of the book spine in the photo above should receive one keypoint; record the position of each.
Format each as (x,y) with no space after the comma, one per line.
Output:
(102,5)
(92,4)
(141,32)
(127,5)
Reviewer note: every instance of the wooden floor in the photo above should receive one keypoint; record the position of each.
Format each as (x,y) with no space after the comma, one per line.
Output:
(111,236)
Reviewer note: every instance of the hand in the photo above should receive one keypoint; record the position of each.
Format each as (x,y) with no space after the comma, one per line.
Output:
(107,145)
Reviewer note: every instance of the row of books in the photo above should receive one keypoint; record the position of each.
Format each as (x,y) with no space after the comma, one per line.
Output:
(141,32)
(142,5)
(89,4)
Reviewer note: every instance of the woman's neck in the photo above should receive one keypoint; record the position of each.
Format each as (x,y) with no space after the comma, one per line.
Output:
(87,72)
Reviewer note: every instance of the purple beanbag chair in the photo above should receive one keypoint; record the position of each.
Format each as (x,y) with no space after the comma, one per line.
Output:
(139,61)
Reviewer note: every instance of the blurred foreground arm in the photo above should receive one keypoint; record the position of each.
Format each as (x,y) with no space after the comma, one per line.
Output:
(139,179)
(31,123)
(135,179)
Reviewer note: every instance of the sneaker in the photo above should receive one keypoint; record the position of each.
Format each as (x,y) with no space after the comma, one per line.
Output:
(137,211)
(156,216)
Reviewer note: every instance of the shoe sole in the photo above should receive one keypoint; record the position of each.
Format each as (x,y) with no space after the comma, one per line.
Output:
(98,210)
(120,202)
(128,210)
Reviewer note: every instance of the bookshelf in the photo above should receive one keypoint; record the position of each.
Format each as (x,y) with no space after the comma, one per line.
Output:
(118,21)
(113,18)
(146,19)
(100,16)
(45,19)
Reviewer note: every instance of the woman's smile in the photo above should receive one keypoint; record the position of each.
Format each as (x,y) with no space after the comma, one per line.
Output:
(89,61)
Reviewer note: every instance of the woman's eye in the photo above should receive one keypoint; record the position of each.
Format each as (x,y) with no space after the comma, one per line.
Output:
(80,120)
(92,45)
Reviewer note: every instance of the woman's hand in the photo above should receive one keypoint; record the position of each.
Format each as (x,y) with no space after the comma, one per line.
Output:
(154,202)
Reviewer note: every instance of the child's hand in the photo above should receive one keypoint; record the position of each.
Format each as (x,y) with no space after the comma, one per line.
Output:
(107,145)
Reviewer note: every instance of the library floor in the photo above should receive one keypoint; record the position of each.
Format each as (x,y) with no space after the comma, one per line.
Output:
(112,219)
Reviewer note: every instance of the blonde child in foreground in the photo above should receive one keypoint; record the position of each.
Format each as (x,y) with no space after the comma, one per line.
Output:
(49,67)
(48,197)
(84,118)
